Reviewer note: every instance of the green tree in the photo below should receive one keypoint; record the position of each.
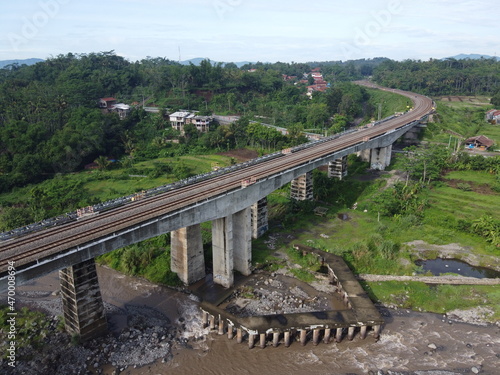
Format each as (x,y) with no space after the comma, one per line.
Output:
(102,163)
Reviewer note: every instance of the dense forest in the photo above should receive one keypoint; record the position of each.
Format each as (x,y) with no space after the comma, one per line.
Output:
(441,77)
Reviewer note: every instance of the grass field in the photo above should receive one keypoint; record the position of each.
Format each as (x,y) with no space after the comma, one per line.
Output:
(438,299)
(105,185)
(465,101)
(492,132)
(391,103)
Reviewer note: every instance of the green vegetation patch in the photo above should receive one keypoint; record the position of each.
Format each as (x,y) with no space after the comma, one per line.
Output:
(388,103)
(478,177)
(492,132)
(31,328)
(437,299)
(149,259)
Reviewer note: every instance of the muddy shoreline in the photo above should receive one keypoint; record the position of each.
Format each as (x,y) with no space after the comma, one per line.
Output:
(157,330)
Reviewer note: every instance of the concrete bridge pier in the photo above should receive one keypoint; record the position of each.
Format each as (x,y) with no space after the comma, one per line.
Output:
(82,301)
(232,247)
(186,254)
(338,168)
(412,135)
(380,157)
(259,217)
(365,155)
(302,187)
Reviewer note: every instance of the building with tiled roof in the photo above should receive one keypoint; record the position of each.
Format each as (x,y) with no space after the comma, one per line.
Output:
(480,142)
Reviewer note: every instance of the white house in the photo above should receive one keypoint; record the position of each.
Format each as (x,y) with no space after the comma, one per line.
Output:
(181,118)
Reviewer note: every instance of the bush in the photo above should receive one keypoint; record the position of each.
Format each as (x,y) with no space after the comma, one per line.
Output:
(464,186)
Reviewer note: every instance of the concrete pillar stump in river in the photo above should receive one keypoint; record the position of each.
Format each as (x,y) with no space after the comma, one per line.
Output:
(82,301)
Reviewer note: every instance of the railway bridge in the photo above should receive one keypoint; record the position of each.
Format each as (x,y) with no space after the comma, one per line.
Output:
(234,200)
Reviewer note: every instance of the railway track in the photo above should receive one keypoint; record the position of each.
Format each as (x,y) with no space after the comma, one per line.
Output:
(38,245)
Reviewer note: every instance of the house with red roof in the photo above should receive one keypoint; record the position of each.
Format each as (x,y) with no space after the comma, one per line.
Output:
(107,102)
(493,116)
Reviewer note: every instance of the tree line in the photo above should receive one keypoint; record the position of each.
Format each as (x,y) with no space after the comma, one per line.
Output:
(441,77)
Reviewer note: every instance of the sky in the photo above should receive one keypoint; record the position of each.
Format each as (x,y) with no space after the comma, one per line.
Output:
(250,30)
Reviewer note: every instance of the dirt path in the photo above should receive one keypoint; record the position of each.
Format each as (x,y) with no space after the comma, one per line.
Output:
(456,280)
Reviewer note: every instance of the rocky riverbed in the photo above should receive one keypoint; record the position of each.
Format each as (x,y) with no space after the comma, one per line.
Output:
(279,293)
(156,330)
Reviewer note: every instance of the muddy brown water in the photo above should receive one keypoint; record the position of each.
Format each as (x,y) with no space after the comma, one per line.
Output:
(403,344)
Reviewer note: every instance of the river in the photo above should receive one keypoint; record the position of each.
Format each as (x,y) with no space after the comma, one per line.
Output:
(410,342)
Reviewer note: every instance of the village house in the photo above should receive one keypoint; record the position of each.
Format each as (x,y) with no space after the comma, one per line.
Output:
(319,83)
(106,102)
(288,78)
(479,142)
(493,116)
(181,118)
(122,109)
(110,105)
(318,87)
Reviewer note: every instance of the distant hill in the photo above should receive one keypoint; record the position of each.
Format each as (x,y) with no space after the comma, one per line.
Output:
(197,60)
(472,56)
(4,63)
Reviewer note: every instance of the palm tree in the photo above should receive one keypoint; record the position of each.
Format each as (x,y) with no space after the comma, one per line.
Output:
(102,163)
